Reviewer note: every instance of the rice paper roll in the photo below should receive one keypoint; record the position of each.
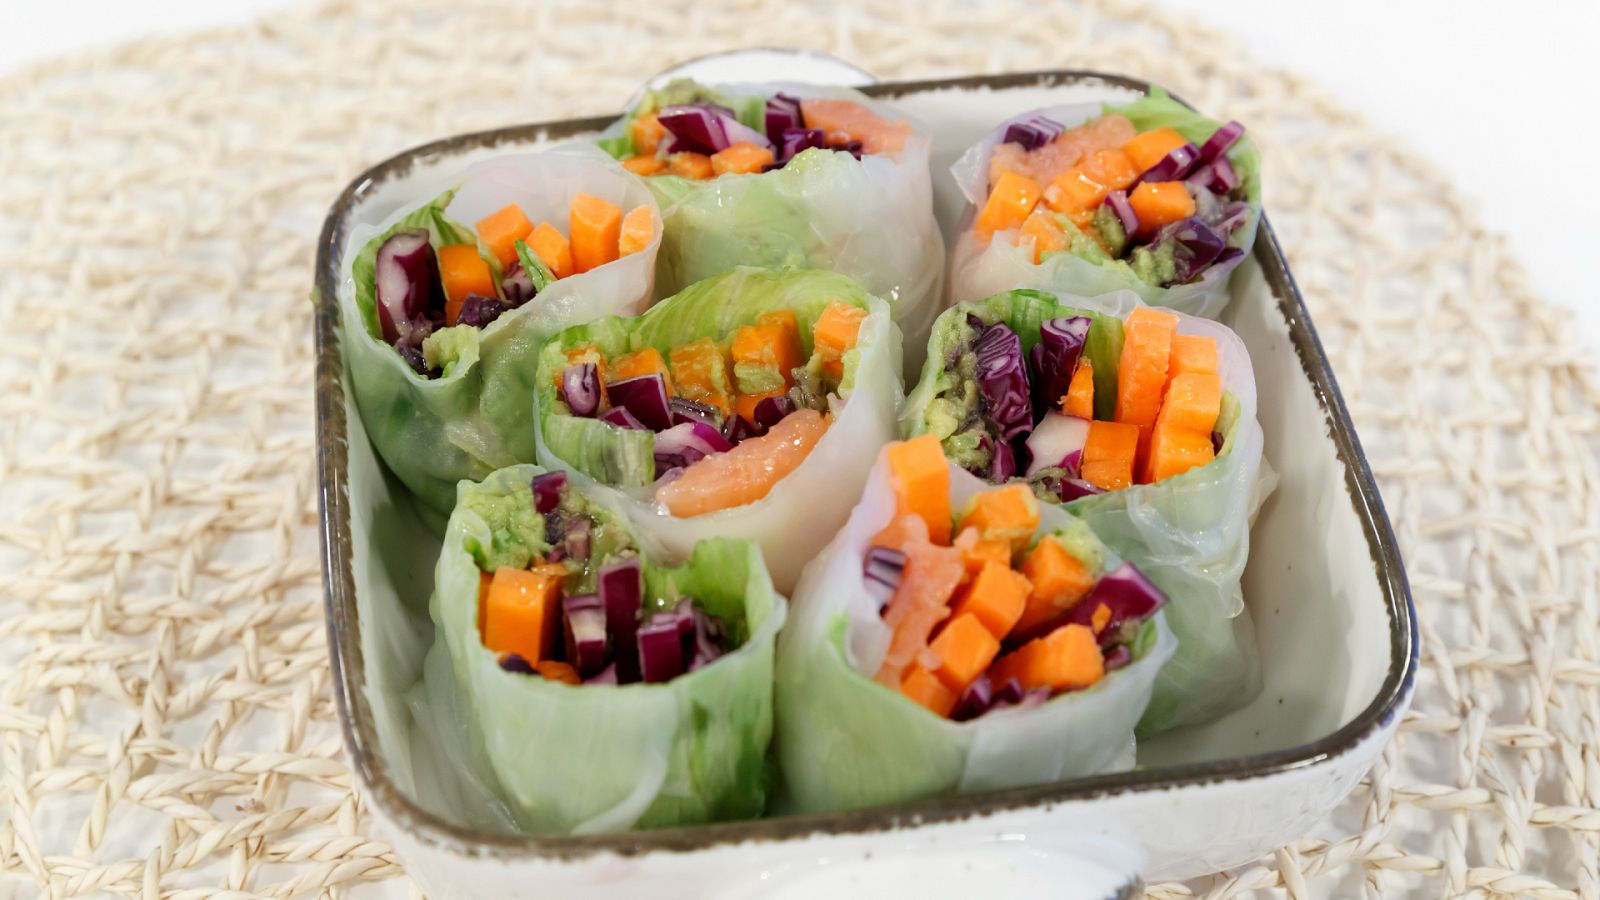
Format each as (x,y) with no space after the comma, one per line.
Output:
(1150,197)
(781,386)
(1188,530)
(444,383)
(614,716)
(822,177)
(847,737)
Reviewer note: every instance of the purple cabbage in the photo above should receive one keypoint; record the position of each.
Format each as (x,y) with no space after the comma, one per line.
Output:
(660,648)
(1129,595)
(707,128)
(583,619)
(406,286)
(1118,201)
(576,542)
(694,411)
(1033,132)
(1220,141)
(882,570)
(770,411)
(1195,245)
(1004,465)
(478,311)
(517,286)
(1003,381)
(621,418)
(608,675)
(1055,358)
(1175,166)
(620,585)
(514,662)
(580,387)
(547,488)
(1118,657)
(706,636)
(645,397)
(974,701)
(1216,442)
(737,428)
(783,115)
(798,140)
(686,443)
(412,354)
(1071,489)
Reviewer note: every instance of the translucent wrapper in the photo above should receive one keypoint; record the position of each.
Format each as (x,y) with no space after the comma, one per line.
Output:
(869,218)
(846,741)
(798,516)
(1189,533)
(567,759)
(979,269)
(477,416)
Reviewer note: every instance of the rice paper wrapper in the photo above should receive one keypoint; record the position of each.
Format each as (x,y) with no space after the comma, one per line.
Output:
(565,759)
(981,269)
(869,218)
(1189,533)
(845,741)
(478,416)
(800,514)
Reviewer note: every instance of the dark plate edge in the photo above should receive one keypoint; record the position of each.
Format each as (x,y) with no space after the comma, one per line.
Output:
(343,628)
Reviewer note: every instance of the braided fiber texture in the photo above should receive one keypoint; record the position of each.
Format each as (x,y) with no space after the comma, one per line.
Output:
(167,727)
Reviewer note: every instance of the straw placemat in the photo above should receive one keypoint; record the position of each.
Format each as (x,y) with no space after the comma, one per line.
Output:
(166,725)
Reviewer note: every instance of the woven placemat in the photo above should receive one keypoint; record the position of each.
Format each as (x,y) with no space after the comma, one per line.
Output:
(166,724)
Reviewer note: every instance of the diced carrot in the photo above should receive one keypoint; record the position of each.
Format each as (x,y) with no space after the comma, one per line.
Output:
(1066,659)
(647,134)
(1100,618)
(834,334)
(921,601)
(501,230)
(785,319)
(1159,203)
(522,613)
(1058,581)
(1110,167)
(1142,370)
(464,273)
(745,404)
(1193,403)
(638,227)
(690,165)
(921,484)
(928,691)
(1013,197)
(640,363)
(975,551)
(1046,235)
(1147,149)
(1174,451)
(552,248)
(997,598)
(1074,191)
(965,648)
(1192,353)
(1009,514)
(553,670)
(595,226)
(700,371)
(644,165)
(743,158)
(484,580)
(1079,400)
(1108,455)
(769,346)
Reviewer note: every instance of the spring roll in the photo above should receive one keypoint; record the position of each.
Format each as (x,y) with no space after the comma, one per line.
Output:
(1142,423)
(750,405)
(600,689)
(955,637)
(447,304)
(1088,199)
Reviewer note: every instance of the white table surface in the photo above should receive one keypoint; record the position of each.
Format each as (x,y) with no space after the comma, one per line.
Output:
(1468,84)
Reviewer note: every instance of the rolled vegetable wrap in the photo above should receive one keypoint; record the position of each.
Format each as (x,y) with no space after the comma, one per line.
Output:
(792,175)
(443,321)
(604,691)
(1142,423)
(750,405)
(1087,199)
(960,637)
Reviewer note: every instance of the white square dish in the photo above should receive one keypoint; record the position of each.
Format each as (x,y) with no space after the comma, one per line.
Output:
(1325,586)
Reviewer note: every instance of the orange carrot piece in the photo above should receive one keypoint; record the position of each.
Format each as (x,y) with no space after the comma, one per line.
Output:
(1066,659)
(997,598)
(484,580)
(552,248)
(464,273)
(1111,168)
(1142,370)
(595,226)
(1108,454)
(1074,191)
(965,648)
(1079,400)
(1045,234)
(925,689)
(647,134)
(638,227)
(743,158)
(784,319)
(921,483)
(1009,514)
(690,165)
(1193,403)
(767,345)
(700,370)
(1147,149)
(1057,582)
(501,230)
(522,613)
(1160,203)
(644,165)
(834,334)
(639,363)
(552,670)
(975,551)
(1174,451)
(1100,618)
(1013,197)
(745,404)
(1192,353)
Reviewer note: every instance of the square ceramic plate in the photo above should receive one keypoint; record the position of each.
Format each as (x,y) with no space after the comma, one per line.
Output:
(1325,586)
